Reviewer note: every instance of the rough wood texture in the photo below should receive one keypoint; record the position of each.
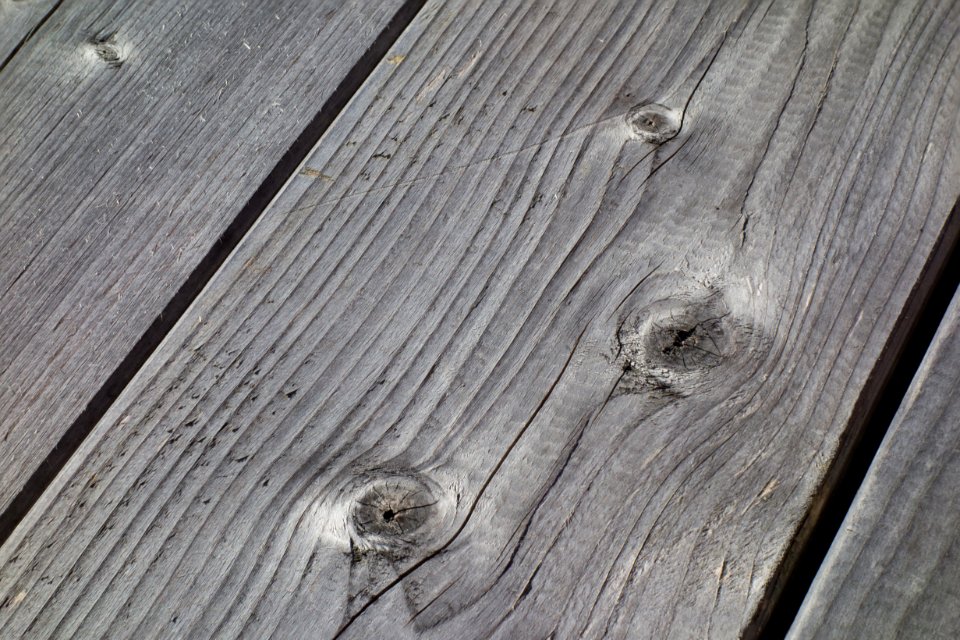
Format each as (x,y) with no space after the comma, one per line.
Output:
(19,20)
(894,569)
(555,335)
(134,133)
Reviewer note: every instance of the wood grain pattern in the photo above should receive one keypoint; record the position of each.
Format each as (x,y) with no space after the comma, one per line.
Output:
(19,20)
(556,334)
(894,569)
(134,133)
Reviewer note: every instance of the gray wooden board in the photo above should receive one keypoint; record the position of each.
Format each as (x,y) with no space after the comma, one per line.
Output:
(133,134)
(894,569)
(498,364)
(19,20)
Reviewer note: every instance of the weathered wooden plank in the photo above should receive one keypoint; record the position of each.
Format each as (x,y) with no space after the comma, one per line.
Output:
(134,135)
(19,20)
(498,364)
(893,570)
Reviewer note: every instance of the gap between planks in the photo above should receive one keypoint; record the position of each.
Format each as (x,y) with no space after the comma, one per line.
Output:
(893,570)
(138,354)
(892,379)
(701,436)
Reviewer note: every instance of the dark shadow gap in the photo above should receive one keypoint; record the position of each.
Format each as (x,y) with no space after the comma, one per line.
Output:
(204,271)
(873,414)
(26,38)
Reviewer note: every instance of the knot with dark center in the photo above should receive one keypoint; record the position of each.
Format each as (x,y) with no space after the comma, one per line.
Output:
(393,513)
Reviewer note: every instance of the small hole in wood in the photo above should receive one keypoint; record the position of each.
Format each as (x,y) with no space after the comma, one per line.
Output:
(654,123)
(672,345)
(393,513)
(681,336)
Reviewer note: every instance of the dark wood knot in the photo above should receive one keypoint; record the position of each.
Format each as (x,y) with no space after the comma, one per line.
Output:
(108,49)
(654,123)
(395,513)
(673,344)
(687,342)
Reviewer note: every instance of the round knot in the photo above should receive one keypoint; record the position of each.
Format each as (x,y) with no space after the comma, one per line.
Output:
(107,49)
(654,123)
(396,513)
(675,344)
(688,342)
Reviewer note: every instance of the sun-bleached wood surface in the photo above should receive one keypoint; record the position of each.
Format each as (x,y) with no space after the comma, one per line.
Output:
(19,20)
(894,570)
(134,135)
(556,333)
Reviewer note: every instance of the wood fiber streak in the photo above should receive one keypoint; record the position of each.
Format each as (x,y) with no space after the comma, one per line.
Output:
(133,134)
(556,334)
(19,20)
(894,569)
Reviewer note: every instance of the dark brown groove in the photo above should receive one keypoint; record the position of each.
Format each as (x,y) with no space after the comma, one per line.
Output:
(873,414)
(204,271)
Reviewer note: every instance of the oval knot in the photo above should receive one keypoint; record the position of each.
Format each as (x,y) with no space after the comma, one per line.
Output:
(654,123)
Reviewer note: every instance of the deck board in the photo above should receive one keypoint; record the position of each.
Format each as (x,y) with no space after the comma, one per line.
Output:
(134,135)
(520,353)
(894,569)
(19,20)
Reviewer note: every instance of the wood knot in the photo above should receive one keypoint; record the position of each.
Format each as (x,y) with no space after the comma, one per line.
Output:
(397,513)
(672,345)
(107,49)
(654,123)
(688,342)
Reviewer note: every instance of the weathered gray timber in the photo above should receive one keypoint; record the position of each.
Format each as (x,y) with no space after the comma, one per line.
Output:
(557,333)
(19,20)
(134,134)
(894,569)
